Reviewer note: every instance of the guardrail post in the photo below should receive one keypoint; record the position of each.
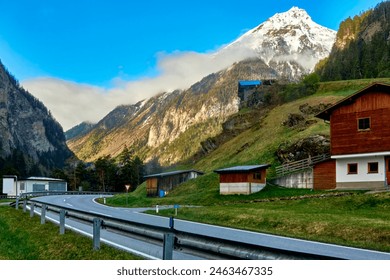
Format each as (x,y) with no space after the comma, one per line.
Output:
(32,209)
(97,222)
(17,203)
(171,223)
(62,221)
(169,242)
(43,214)
(25,205)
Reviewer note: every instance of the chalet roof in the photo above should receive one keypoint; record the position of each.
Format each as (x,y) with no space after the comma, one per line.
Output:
(242,168)
(172,173)
(376,87)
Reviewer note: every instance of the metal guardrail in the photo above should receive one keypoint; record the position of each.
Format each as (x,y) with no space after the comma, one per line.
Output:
(296,166)
(171,239)
(45,193)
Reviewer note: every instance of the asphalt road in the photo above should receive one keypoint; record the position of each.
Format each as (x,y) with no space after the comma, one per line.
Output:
(87,203)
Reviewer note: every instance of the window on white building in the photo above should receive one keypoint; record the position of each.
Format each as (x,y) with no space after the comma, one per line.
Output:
(352,168)
(373,167)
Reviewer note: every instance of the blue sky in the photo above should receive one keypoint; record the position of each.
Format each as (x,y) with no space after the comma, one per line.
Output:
(97,44)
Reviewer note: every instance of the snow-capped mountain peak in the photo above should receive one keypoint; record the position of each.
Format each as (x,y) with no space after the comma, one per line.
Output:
(290,42)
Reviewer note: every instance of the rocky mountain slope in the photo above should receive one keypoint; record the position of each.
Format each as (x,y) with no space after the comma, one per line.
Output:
(27,128)
(171,126)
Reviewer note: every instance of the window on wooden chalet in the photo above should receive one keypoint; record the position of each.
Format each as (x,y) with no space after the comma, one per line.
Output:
(352,168)
(257,176)
(364,124)
(373,167)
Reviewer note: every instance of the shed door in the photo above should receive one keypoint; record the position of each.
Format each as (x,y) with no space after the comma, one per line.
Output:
(387,161)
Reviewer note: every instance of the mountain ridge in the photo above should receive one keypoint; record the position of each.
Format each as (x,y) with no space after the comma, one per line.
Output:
(201,109)
(28,131)
(287,38)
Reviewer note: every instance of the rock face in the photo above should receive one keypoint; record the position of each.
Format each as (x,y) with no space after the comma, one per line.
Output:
(27,126)
(308,147)
(171,125)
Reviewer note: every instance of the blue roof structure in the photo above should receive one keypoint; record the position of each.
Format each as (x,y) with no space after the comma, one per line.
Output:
(247,83)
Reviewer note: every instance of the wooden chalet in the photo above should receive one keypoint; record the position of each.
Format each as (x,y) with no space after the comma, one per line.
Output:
(242,179)
(162,183)
(360,141)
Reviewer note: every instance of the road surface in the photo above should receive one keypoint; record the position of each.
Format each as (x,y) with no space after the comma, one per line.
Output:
(88,203)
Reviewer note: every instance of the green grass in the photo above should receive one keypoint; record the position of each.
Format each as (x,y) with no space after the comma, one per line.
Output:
(357,220)
(24,238)
(204,191)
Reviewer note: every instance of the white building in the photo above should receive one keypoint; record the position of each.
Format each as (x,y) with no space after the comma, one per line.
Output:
(14,187)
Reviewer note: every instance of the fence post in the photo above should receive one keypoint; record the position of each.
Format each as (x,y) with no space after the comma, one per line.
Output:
(62,221)
(32,209)
(25,205)
(17,203)
(169,241)
(43,214)
(97,222)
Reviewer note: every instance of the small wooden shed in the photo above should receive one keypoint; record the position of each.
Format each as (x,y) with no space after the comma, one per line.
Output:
(160,184)
(244,179)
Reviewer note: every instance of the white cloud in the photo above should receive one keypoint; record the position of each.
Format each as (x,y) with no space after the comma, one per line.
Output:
(72,103)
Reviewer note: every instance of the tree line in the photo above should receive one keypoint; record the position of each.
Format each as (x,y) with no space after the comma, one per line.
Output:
(106,174)
(362,48)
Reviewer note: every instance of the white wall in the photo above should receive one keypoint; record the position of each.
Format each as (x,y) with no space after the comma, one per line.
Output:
(299,180)
(9,186)
(342,175)
(240,188)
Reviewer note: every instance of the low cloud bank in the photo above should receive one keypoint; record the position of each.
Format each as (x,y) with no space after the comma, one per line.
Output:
(72,103)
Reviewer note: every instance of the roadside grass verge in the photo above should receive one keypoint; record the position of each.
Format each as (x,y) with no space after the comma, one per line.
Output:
(203,191)
(24,238)
(356,220)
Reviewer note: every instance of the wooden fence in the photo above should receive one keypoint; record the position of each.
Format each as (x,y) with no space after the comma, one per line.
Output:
(296,166)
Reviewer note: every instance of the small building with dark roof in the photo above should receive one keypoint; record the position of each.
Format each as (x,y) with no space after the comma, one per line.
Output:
(162,183)
(245,179)
(246,88)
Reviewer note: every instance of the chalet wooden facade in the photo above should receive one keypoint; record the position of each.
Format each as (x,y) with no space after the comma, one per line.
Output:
(242,179)
(162,183)
(360,141)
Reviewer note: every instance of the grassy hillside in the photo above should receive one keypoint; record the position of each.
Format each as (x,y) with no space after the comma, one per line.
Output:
(259,142)
(352,219)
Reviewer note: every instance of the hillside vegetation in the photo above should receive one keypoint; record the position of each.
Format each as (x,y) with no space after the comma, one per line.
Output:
(348,218)
(258,142)
(362,48)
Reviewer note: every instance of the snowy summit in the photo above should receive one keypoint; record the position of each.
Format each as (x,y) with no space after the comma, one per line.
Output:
(289,41)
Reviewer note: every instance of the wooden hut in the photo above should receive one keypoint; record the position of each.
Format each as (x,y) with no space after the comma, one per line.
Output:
(242,179)
(162,183)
